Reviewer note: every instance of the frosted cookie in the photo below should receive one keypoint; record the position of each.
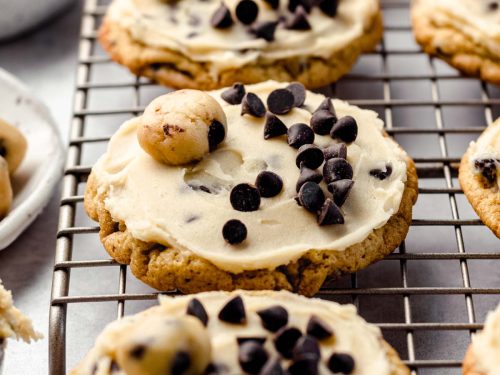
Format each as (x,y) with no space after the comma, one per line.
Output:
(5,188)
(483,355)
(13,145)
(211,44)
(479,176)
(464,33)
(282,202)
(13,324)
(242,333)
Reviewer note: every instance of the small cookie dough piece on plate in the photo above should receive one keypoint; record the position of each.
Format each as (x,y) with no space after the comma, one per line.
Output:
(5,188)
(479,176)
(273,206)
(483,355)
(13,145)
(464,33)
(243,333)
(212,44)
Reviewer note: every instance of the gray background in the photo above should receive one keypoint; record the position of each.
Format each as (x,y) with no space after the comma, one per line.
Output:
(46,61)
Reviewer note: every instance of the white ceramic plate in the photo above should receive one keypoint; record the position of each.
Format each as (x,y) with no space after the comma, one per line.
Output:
(41,169)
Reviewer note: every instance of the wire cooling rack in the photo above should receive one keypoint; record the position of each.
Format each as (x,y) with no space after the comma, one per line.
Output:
(428,297)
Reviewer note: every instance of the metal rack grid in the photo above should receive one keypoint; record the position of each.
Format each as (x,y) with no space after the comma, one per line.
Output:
(428,297)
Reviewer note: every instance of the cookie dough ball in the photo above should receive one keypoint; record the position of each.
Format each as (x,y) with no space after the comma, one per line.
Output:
(165,345)
(13,145)
(5,189)
(182,126)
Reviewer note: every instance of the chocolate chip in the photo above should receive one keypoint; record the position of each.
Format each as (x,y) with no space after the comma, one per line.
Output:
(311,197)
(280,101)
(329,7)
(212,369)
(221,19)
(181,363)
(273,318)
(330,214)
(304,366)
(113,367)
(300,134)
(337,150)
(285,340)
(252,357)
(138,351)
(487,168)
(299,93)
(245,197)
(493,5)
(233,311)
(299,20)
(327,105)
(322,122)
(346,129)
(259,340)
(340,190)
(306,347)
(216,134)
(273,367)
(269,184)
(337,169)
(252,105)
(3,149)
(274,127)
(275,4)
(318,328)
(382,174)
(234,94)
(264,30)
(306,175)
(306,4)
(196,309)
(234,232)
(341,363)
(247,11)
(310,156)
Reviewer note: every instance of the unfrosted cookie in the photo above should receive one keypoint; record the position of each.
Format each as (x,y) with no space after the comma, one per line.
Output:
(264,210)
(479,176)
(483,355)
(464,33)
(182,127)
(211,44)
(13,145)
(263,333)
(5,188)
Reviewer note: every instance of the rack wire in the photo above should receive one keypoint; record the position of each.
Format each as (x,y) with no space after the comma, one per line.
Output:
(428,297)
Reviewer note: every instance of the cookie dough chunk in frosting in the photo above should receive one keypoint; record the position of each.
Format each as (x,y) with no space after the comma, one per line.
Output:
(280,331)
(483,356)
(209,44)
(465,33)
(479,176)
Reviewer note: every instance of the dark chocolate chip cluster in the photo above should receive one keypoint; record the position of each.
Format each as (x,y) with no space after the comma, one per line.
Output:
(299,353)
(488,169)
(247,12)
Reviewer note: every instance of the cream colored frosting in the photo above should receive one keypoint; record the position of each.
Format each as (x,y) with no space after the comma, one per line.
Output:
(156,23)
(157,205)
(472,17)
(486,344)
(12,322)
(352,334)
(487,147)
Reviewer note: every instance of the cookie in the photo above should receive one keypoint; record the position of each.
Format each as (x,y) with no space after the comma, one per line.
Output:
(479,176)
(5,189)
(279,331)
(464,33)
(483,355)
(209,44)
(182,126)
(13,145)
(167,222)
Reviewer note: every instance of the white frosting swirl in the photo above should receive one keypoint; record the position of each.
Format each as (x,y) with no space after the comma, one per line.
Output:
(486,345)
(156,23)
(157,205)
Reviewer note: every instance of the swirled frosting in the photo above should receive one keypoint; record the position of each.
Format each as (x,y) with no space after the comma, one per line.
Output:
(486,345)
